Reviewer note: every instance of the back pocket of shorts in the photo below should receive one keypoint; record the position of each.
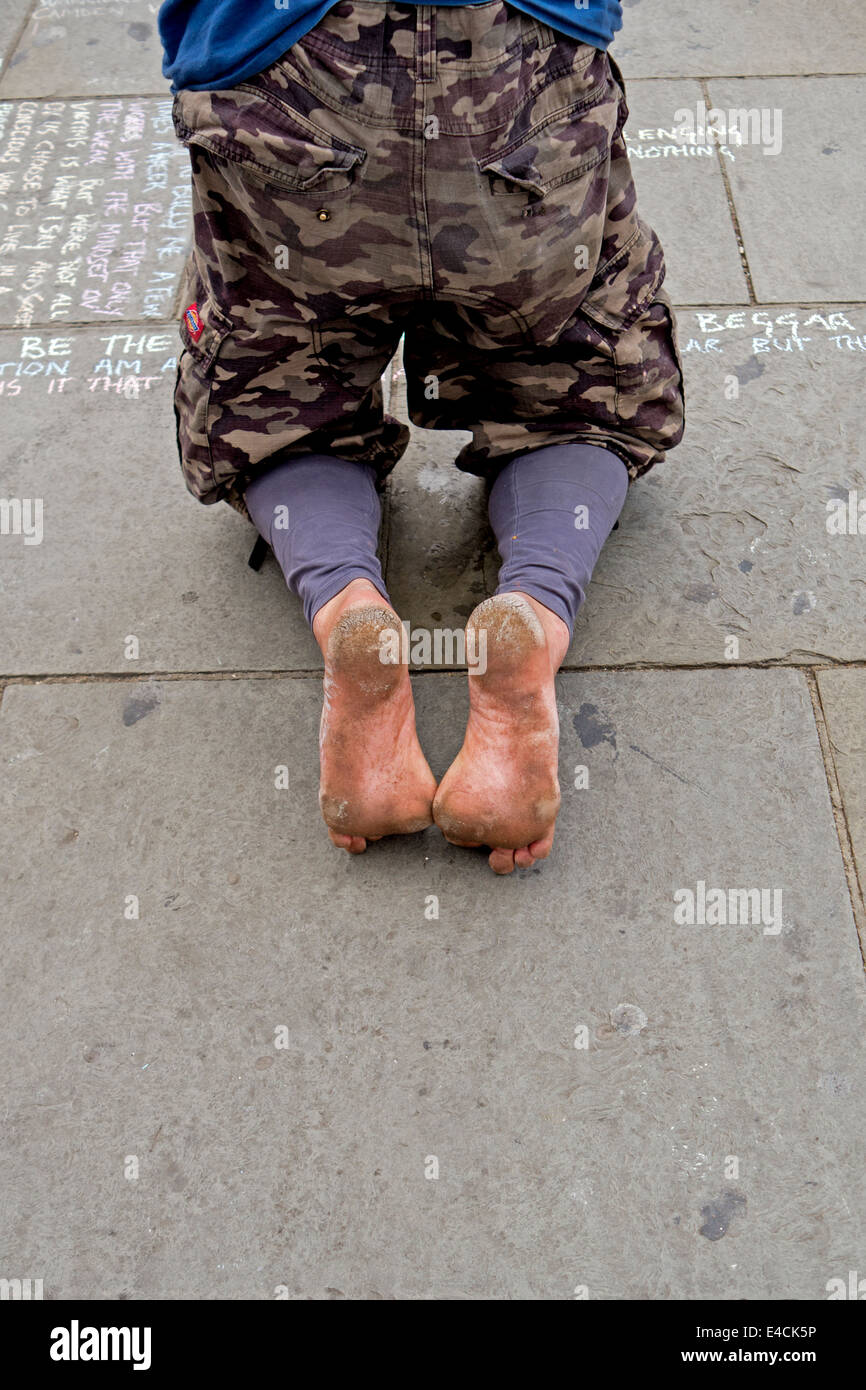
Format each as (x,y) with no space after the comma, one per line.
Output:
(546,149)
(276,146)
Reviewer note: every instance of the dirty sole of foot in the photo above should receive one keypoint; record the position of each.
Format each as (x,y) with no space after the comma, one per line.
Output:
(361,690)
(506,797)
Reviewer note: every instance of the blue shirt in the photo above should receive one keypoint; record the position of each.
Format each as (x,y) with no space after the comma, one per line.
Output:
(211,44)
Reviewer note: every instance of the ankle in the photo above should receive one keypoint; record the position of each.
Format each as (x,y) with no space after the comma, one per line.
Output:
(556,630)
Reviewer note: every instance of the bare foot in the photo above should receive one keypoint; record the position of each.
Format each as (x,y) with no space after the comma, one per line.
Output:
(375,780)
(502,789)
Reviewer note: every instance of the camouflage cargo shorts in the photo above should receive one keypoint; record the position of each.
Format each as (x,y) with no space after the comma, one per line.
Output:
(455,176)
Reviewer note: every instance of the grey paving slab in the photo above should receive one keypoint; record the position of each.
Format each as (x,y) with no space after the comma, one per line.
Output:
(94,211)
(727,538)
(681,193)
(664,38)
(75,47)
(88,430)
(800,210)
(14,14)
(843,696)
(705,1143)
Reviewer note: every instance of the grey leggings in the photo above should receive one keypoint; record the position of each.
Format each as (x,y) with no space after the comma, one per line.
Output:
(551,511)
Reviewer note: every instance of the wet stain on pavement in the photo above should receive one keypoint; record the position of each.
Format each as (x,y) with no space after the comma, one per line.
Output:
(137,706)
(718,1214)
(592,728)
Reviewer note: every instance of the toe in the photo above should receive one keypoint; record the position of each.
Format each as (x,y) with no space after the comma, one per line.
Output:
(355,844)
(524,858)
(501,861)
(540,849)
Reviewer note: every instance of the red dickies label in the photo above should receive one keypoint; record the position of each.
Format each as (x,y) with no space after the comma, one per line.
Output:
(193,322)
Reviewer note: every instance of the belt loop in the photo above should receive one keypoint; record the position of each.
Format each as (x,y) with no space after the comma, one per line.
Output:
(425,38)
(542,33)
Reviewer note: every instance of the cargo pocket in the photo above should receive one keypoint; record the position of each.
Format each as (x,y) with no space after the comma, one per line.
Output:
(552,167)
(625,283)
(203,330)
(635,323)
(274,145)
(556,139)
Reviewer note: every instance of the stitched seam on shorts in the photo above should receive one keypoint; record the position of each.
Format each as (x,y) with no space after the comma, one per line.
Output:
(175,393)
(620,369)
(316,42)
(341,377)
(470,65)
(329,141)
(576,173)
(480,65)
(539,206)
(568,109)
(206,368)
(678,361)
(211,463)
(404,122)
(427,269)
(625,320)
(407,122)
(475,301)
(246,161)
(545,36)
(617,384)
(369,61)
(623,250)
(268,174)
